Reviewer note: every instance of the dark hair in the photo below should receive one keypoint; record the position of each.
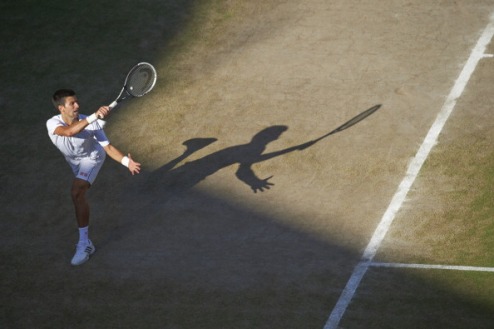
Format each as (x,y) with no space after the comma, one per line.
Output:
(58,97)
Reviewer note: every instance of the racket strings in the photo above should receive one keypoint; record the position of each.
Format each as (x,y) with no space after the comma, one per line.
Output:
(141,80)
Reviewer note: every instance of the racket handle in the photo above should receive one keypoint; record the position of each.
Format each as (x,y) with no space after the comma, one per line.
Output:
(112,105)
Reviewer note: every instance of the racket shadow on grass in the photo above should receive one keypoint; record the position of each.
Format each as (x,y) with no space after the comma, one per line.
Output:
(174,180)
(344,126)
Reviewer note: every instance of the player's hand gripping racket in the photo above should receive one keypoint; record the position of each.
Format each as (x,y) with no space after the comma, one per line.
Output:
(139,81)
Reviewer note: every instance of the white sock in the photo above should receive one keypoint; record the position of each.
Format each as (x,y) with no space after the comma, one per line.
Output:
(84,235)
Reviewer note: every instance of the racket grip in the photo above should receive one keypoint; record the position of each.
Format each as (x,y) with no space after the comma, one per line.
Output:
(112,105)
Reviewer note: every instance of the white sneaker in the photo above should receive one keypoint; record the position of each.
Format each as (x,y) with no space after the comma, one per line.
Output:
(82,253)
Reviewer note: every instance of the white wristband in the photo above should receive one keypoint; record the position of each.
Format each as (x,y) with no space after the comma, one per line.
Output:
(125,161)
(93,117)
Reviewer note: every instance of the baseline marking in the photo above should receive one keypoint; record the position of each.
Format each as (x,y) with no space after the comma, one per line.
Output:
(412,172)
(434,267)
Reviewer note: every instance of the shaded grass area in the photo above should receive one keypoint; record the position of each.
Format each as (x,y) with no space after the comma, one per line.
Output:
(78,300)
(172,269)
(407,300)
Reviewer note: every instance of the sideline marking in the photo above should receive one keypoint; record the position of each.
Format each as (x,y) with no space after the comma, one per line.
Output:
(413,169)
(434,267)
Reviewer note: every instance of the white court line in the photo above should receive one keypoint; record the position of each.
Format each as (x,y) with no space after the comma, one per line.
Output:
(434,267)
(413,169)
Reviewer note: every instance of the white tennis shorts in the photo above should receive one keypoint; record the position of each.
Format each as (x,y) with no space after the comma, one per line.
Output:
(87,168)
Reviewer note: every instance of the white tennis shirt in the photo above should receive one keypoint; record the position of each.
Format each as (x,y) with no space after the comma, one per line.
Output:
(88,143)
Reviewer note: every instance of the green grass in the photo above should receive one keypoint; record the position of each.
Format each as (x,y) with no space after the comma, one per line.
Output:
(483,207)
(395,298)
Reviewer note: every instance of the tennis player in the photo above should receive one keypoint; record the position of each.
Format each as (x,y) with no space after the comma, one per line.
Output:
(84,145)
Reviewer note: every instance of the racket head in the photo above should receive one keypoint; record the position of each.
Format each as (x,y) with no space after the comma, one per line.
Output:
(141,79)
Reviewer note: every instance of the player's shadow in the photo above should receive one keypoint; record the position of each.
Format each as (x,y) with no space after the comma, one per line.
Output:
(175,180)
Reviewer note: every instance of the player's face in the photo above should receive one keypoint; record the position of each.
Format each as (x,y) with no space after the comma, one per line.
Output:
(71,107)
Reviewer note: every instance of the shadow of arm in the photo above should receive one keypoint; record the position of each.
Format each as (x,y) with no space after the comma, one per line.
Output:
(275,154)
(247,175)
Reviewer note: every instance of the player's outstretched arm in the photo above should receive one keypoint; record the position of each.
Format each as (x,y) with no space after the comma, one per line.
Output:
(115,154)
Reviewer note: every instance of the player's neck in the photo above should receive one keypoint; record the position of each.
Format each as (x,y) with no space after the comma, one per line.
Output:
(69,120)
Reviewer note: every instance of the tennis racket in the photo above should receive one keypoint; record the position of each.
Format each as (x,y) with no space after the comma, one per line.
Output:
(139,81)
